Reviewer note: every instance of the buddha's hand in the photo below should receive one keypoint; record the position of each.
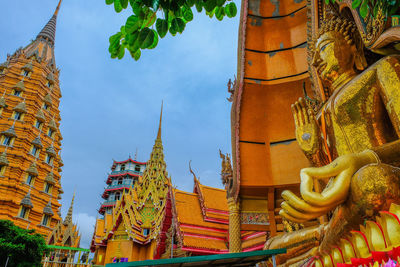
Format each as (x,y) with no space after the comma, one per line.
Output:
(307,130)
(314,204)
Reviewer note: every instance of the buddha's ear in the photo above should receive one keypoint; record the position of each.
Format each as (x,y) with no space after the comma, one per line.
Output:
(360,61)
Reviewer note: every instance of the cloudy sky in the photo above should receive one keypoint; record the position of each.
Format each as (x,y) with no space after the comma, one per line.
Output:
(111,107)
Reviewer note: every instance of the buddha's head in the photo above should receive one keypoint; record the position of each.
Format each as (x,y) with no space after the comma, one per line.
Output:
(337,50)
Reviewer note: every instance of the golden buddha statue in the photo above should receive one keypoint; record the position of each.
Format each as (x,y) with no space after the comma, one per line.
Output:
(352,141)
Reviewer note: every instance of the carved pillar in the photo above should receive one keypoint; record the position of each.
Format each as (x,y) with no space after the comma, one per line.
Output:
(235,242)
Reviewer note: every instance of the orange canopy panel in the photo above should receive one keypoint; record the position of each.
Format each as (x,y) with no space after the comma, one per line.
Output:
(275,8)
(266,114)
(269,34)
(274,68)
(282,154)
(276,65)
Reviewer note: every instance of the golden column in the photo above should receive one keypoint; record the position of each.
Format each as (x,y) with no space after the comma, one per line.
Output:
(235,241)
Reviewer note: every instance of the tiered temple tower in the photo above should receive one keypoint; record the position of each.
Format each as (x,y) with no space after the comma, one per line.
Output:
(133,224)
(30,139)
(124,174)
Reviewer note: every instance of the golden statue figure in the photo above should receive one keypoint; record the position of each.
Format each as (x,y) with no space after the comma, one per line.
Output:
(353,142)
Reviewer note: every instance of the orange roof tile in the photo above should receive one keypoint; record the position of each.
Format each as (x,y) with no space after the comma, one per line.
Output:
(197,242)
(189,211)
(214,198)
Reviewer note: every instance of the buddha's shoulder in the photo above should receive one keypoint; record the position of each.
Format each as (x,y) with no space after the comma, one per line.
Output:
(392,60)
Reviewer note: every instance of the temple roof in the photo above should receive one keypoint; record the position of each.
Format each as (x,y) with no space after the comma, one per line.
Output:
(65,233)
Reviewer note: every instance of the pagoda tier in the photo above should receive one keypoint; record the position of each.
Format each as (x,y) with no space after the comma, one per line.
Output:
(30,139)
(124,174)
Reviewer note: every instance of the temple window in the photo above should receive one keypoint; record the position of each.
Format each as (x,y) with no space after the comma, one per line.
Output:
(38,124)
(50,133)
(45,220)
(46,106)
(26,73)
(2,169)
(49,84)
(146,232)
(117,195)
(7,140)
(17,92)
(122,167)
(30,178)
(119,181)
(137,168)
(18,115)
(35,150)
(23,212)
(47,188)
(49,159)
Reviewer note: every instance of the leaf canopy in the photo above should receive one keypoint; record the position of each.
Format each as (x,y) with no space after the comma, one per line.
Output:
(171,16)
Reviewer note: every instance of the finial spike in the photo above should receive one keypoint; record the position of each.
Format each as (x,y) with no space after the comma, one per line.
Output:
(136,155)
(159,126)
(58,8)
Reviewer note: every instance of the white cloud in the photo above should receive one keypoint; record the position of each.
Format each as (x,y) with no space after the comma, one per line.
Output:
(85,223)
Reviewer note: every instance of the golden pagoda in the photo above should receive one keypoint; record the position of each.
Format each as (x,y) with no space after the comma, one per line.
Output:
(135,220)
(30,139)
(154,220)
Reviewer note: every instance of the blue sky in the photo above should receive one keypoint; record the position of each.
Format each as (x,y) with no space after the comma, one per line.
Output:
(111,107)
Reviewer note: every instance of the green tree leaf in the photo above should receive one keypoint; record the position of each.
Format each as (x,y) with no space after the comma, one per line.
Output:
(173,29)
(209,5)
(230,10)
(136,7)
(146,38)
(219,13)
(199,5)
(132,38)
(220,2)
(187,13)
(190,3)
(109,2)
(132,24)
(356,3)
(117,6)
(137,54)
(180,2)
(121,52)
(178,24)
(162,27)
(150,19)
(155,41)
(364,9)
(124,3)
(115,37)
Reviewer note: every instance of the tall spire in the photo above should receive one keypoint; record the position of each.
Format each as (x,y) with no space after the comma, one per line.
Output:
(68,218)
(58,8)
(49,30)
(159,125)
